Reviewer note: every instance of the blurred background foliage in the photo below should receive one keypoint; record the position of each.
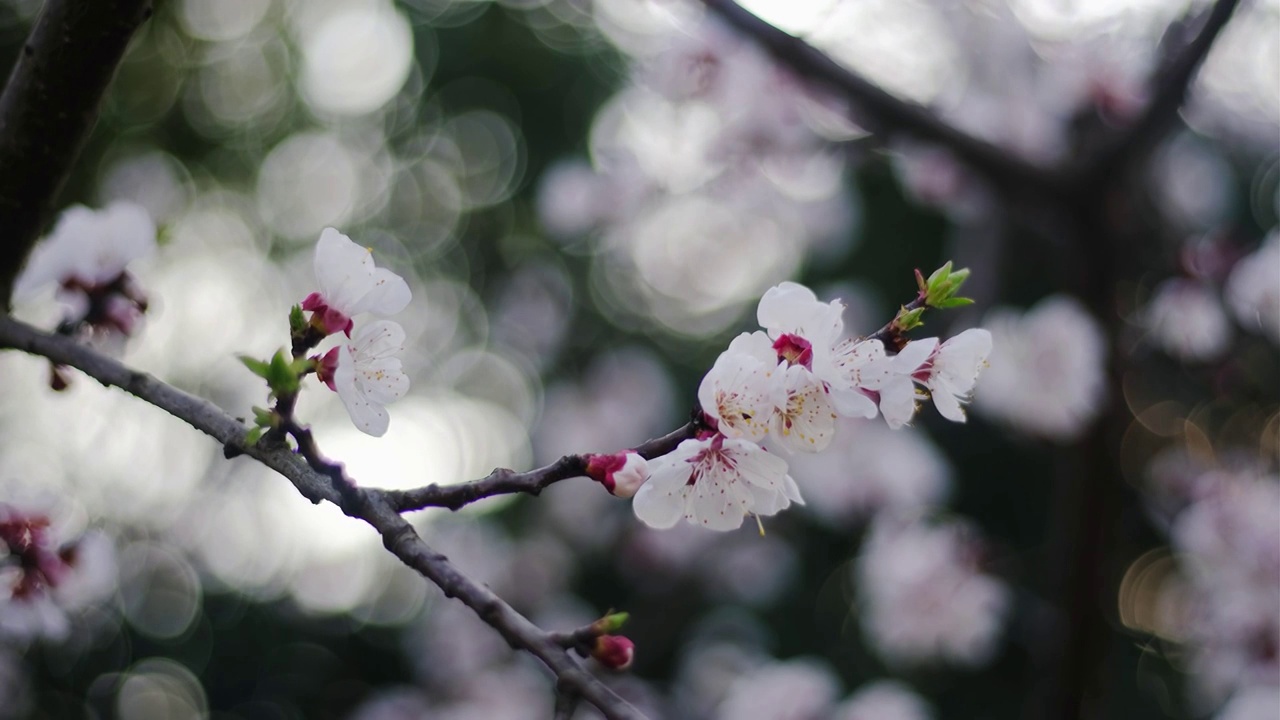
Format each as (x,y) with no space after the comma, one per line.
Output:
(429,130)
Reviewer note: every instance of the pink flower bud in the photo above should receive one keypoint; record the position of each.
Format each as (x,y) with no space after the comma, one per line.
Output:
(621,473)
(614,651)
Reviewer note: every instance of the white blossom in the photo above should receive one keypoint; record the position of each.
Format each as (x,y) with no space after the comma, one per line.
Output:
(736,391)
(952,370)
(88,248)
(368,376)
(1253,289)
(803,329)
(803,419)
(714,483)
(923,597)
(1047,368)
(1187,320)
(350,284)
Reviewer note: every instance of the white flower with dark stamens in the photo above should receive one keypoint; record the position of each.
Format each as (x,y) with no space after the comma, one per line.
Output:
(350,284)
(714,483)
(736,391)
(803,419)
(952,369)
(367,376)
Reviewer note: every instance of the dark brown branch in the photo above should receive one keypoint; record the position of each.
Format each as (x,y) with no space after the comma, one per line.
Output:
(1169,88)
(882,112)
(504,482)
(371,506)
(48,109)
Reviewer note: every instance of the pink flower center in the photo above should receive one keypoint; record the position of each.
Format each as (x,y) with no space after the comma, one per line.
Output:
(326,366)
(795,350)
(330,320)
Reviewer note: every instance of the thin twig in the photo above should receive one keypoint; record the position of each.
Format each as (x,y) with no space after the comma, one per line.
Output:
(503,482)
(371,506)
(48,109)
(884,113)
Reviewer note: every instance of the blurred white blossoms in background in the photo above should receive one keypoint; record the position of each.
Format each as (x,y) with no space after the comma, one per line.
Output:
(922,595)
(45,578)
(363,369)
(788,385)
(1228,540)
(1047,372)
(350,284)
(86,257)
(1253,289)
(884,700)
(1187,320)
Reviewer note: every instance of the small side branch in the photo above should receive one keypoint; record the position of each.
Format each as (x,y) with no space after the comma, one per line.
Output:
(882,112)
(48,109)
(505,482)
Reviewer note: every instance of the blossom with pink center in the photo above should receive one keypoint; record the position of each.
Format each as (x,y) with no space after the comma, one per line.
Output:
(87,256)
(714,483)
(350,284)
(952,369)
(42,580)
(803,329)
(368,376)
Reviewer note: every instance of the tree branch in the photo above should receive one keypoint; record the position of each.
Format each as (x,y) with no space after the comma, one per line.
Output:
(503,481)
(49,108)
(882,112)
(1169,91)
(369,505)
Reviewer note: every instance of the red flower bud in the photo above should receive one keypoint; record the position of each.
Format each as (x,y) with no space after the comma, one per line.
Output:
(614,651)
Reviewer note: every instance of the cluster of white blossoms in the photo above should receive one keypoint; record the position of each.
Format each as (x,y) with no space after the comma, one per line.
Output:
(363,368)
(1188,320)
(1227,540)
(785,386)
(86,257)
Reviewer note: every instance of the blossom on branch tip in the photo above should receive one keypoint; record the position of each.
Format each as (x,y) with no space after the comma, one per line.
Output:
(368,376)
(714,483)
(952,368)
(621,474)
(350,284)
